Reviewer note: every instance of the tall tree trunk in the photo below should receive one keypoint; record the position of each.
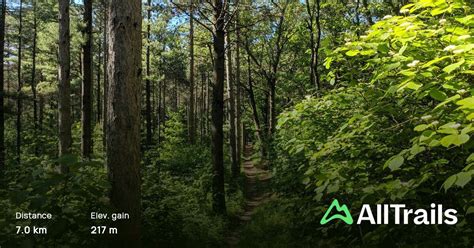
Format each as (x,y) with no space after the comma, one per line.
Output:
(158,112)
(271,108)
(314,13)
(99,66)
(253,105)
(163,106)
(230,91)
(8,63)
(217,114)
(148,110)
(20,85)
(2,85)
(64,103)
(238,107)
(106,76)
(33,78)
(318,44)
(357,17)
(33,74)
(202,107)
(40,112)
(310,27)
(86,113)
(191,122)
(208,100)
(154,98)
(123,115)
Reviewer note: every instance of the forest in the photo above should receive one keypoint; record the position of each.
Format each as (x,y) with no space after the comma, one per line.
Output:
(218,123)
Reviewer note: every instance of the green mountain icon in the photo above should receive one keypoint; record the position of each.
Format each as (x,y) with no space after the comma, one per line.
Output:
(345,216)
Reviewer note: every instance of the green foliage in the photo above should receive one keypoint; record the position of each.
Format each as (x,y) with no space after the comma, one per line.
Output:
(269,228)
(177,193)
(398,132)
(36,186)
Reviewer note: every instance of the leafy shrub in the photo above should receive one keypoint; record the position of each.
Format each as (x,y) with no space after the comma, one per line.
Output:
(177,193)
(399,132)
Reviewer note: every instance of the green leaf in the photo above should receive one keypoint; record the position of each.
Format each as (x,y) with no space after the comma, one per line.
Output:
(383,48)
(434,143)
(448,130)
(332,188)
(434,61)
(328,62)
(392,66)
(352,53)
(466,103)
(470,210)
(368,52)
(408,73)
(470,158)
(449,182)
(438,11)
(438,95)
(467,129)
(394,162)
(421,127)
(454,139)
(415,150)
(426,135)
(402,49)
(463,178)
(467,20)
(453,98)
(450,68)
(306,180)
(470,116)
(413,86)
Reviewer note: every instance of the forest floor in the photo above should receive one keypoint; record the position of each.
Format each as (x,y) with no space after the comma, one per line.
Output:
(256,193)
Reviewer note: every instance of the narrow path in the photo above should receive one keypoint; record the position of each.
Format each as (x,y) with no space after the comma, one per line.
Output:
(255,192)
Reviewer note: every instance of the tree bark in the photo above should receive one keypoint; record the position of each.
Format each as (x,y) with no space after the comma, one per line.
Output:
(314,13)
(318,44)
(8,63)
(202,107)
(33,75)
(2,85)
(158,113)
(19,103)
(86,113)
(253,105)
(238,119)
(230,91)
(191,122)
(123,116)
(148,110)
(40,112)
(99,66)
(106,77)
(275,50)
(64,103)
(208,105)
(310,27)
(217,112)
(271,108)
(163,107)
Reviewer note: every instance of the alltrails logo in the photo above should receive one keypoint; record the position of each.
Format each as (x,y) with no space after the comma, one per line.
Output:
(347,217)
(401,215)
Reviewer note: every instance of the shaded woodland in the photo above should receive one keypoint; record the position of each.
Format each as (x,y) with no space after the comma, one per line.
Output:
(235,123)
